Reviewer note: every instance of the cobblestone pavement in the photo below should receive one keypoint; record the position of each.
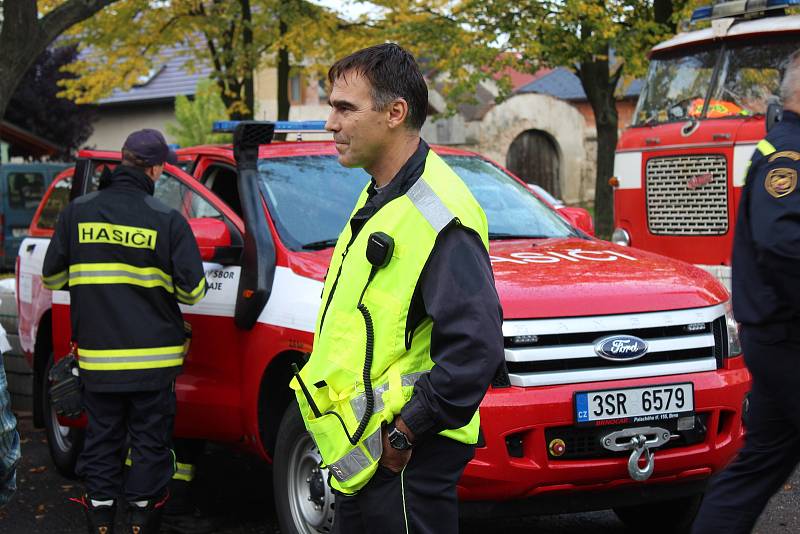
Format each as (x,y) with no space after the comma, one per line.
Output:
(238,491)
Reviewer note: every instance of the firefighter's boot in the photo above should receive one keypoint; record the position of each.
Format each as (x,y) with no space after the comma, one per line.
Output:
(99,514)
(144,517)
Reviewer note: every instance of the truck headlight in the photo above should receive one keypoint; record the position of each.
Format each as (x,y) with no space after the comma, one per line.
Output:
(621,237)
(734,345)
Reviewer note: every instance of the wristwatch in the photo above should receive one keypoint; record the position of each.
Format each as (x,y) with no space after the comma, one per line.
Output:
(397,439)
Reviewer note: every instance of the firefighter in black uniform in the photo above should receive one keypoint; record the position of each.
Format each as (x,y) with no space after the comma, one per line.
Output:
(127,260)
(766,301)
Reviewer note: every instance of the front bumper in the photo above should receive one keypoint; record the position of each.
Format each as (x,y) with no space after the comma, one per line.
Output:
(514,463)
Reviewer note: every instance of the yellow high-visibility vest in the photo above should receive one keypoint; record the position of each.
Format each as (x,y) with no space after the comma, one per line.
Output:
(333,374)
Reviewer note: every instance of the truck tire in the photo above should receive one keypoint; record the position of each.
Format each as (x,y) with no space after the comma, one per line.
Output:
(65,442)
(663,517)
(303,499)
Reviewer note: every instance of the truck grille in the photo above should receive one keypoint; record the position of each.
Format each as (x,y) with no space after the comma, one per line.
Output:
(561,351)
(687,195)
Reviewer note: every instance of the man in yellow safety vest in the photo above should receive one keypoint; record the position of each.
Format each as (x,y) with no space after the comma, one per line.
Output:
(409,334)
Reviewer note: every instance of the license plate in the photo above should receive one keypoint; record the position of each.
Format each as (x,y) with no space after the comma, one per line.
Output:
(19,232)
(662,403)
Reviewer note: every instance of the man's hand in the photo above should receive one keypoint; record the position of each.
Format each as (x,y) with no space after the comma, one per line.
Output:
(392,459)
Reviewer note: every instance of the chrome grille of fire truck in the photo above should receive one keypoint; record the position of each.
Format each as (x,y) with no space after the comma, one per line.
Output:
(687,195)
(542,352)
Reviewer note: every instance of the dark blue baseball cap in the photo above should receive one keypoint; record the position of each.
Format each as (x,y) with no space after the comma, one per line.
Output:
(150,147)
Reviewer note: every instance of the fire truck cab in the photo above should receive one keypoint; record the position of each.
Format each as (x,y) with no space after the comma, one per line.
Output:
(708,97)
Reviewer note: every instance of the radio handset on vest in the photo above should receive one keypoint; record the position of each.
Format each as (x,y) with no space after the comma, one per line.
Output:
(380,248)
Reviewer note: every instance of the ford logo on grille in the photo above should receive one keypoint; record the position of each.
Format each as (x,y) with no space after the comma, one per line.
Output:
(620,348)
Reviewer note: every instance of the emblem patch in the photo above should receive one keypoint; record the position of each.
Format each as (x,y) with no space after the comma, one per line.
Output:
(791,154)
(780,182)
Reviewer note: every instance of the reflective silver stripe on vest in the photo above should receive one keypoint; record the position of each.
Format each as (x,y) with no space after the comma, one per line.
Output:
(355,461)
(430,205)
(359,404)
(374,445)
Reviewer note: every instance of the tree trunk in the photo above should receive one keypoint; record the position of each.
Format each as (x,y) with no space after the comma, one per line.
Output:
(247,38)
(662,13)
(283,79)
(599,85)
(24,35)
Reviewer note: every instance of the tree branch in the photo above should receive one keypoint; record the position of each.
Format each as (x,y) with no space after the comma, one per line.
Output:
(67,15)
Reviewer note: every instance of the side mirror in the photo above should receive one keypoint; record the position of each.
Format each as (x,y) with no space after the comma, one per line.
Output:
(214,240)
(579,218)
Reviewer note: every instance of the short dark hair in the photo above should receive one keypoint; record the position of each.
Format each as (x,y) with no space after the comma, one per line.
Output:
(131,160)
(392,73)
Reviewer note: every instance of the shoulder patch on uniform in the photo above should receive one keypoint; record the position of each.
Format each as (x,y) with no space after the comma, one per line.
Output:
(781,181)
(791,154)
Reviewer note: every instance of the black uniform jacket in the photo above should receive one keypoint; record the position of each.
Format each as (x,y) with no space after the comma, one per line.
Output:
(766,247)
(127,260)
(457,291)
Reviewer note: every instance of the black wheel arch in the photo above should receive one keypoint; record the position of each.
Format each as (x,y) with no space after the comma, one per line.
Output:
(275,395)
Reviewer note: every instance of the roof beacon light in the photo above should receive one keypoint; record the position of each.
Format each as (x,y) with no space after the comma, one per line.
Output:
(740,8)
(298,127)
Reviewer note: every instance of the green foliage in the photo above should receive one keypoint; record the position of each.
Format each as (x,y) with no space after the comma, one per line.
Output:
(234,37)
(195,117)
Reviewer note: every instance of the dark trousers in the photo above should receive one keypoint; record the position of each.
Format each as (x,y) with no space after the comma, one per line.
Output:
(422,499)
(147,417)
(187,453)
(737,496)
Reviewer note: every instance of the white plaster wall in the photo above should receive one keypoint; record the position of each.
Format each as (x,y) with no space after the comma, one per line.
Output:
(115,123)
(504,122)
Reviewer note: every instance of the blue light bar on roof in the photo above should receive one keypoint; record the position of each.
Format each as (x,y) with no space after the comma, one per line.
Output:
(738,8)
(280,126)
(702,13)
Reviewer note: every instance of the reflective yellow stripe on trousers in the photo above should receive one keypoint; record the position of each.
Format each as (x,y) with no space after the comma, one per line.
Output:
(130,359)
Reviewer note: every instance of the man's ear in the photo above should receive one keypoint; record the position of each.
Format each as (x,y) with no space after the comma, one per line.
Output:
(397,111)
(154,172)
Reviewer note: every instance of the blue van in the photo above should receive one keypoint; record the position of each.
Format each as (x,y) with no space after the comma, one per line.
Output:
(22,186)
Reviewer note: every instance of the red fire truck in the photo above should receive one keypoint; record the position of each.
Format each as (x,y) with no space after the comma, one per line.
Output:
(708,97)
(623,386)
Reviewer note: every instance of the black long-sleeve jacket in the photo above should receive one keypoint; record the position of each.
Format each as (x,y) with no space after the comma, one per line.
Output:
(127,260)
(766,246)
(457,291)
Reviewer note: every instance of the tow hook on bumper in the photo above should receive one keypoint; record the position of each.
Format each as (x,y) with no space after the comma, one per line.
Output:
(640,441)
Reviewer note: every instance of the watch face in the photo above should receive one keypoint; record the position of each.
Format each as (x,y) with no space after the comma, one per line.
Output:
(398,440)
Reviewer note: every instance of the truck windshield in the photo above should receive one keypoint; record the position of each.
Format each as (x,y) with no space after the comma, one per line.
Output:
(737,80)
(676,87)
(750,77)
(311,198)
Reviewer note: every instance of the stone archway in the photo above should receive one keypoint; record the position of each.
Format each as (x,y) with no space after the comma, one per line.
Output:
(534,157)
(565,125)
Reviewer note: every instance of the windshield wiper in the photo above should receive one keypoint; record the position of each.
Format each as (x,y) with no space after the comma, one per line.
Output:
(502,235)
(319,245)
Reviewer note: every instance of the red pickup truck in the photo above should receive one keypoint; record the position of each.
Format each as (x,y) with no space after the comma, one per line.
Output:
(623,385)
